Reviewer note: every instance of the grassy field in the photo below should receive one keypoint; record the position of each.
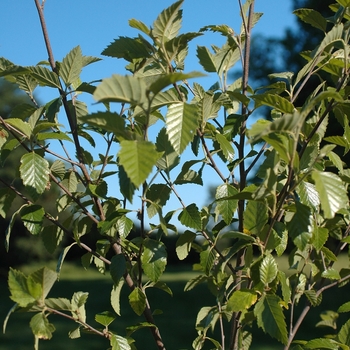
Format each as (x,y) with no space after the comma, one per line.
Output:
(176,323)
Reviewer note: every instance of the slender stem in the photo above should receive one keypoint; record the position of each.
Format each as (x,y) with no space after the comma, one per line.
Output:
(84,324)
(235,323)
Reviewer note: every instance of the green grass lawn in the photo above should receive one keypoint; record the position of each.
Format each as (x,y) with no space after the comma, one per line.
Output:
(176,323)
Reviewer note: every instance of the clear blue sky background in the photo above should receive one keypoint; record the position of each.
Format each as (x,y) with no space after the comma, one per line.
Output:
(94,24)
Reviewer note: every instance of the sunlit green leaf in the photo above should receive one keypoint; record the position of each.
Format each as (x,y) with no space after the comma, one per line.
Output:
(153,259)
(271,318)
(169,158)
(268,269)
(182,122)
(115,296)
(105,318)
(226,147)
(118,88)
(138,159)
(158,194)
(32,217)
(184,243)
(137,300)
(241,300)
(190,217)
(299,227)
(20,125)
(119,343)
(225,206)
(41,327)
(333,195)
(24,290)
(275,101)
(45,77)
(34,171)
(331,274)
(46,278)
(255,217)
(71,66)
(168,23)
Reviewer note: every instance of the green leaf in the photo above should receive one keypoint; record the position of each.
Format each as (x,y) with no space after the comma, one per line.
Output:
(344,308)
(107,121)
(331,274)
(105,318)
(285,286)
(312,17)
(127,188)
(285,124)
(312,296)
(117,267)
(335,34)
(119,343)
(190,217)
(137,300)
(270,317)
(24,290)
(226,147)
(158,195)
(169,158)
(299,227)
(320,237)
(195,282)
(225,206)
(62,257)
(45,77)
(241,300)
(321,343)
(182,122)
(26,83)
(32,217)
(153,259)
(135,23)
(344,333)
(268,270)
(20,125)
(115,296)
(275,101)
(125,89)
(255,217)
(167,79)
(58,135)
(206,59)
(138,158)
(58,304)
(71,66)
(41,327)
(34,171)
(184,243)
(46,278)
(128,48)
(6,198)
(333,195)
(78,305)
(189,176)
(168,23)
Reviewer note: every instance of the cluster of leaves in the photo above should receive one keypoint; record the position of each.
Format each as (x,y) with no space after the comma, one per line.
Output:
(300,198)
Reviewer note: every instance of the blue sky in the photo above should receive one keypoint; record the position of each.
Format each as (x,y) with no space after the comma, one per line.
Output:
(94,24)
